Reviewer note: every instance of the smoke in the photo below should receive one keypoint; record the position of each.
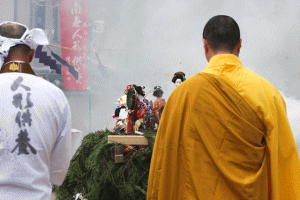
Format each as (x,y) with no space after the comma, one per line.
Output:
(141,41)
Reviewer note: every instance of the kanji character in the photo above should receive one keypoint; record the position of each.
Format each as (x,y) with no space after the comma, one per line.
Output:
(75,34)
(26,118)
(18,119)
(17,100)
(29,102)
(76,9)
(77,60)
(76,45)
(17,83)
(23,142)
(76,22)
(98,28)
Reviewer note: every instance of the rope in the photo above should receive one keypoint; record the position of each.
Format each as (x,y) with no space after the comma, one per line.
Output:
(79,50)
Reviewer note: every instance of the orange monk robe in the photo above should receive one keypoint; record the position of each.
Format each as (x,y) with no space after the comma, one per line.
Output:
(224,134)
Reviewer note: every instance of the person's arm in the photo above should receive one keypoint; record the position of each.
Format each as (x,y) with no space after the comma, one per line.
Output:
(284,164)
(61,154)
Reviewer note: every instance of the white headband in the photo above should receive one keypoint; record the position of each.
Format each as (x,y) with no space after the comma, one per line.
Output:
(31,38)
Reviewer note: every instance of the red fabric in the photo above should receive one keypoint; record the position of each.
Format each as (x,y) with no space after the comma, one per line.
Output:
(130,123)
(134,115)
(74,21)
(140,113)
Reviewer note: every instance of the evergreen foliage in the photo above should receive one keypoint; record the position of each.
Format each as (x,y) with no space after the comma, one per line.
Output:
(94,173)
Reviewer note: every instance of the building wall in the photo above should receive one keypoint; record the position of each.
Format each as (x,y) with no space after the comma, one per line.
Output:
(23,12)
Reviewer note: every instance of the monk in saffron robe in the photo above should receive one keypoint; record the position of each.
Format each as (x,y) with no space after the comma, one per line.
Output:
(224,133)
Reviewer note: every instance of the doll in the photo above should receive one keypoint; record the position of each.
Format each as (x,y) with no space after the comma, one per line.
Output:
(159,103)
(178,78)
(140,111)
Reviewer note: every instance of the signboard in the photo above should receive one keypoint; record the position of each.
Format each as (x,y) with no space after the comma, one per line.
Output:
(74,21)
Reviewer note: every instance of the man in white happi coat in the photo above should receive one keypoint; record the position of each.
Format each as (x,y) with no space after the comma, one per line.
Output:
(35,119)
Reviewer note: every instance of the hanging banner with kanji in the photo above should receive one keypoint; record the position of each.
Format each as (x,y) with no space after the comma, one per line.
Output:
(74,22)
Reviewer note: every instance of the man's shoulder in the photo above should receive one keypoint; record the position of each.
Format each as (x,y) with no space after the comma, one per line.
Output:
(34,82)
(192,82)
(190,86)
(259,81)
(191,79)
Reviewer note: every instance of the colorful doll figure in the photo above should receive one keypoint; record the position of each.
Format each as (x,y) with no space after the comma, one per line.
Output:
(132,100)
(139,109)
(147,115)
(159,103)
(120,115)
(178,78)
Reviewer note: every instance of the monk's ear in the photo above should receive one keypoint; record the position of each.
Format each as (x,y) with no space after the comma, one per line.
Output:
(31,55)
(239,46)
(205,46)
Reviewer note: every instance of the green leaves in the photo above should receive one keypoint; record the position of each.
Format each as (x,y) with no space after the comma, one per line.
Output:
(94,173)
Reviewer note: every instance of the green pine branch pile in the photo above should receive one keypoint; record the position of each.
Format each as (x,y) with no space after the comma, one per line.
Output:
(94,173)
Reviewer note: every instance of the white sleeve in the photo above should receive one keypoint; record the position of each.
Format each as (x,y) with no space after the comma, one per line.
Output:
(61,153)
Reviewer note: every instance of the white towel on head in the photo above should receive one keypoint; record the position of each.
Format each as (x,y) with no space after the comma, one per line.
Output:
(31,38)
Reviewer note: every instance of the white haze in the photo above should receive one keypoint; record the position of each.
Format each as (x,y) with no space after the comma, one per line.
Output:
(140,41)
(145,40)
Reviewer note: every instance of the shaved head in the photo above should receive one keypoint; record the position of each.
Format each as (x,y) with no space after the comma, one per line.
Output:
(15,31)
(222,33)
